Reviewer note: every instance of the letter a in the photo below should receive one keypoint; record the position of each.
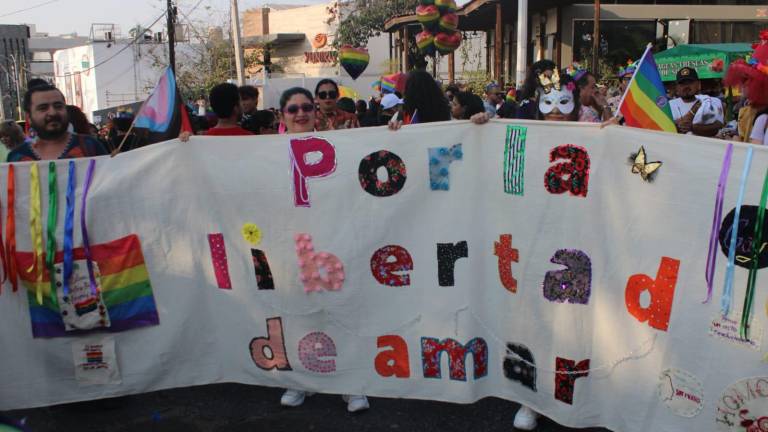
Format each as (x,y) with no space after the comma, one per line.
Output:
(395,361)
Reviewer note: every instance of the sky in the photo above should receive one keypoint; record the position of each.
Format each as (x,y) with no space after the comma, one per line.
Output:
(67,16)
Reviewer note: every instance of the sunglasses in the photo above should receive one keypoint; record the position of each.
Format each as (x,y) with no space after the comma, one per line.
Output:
(294,109)
(328,95)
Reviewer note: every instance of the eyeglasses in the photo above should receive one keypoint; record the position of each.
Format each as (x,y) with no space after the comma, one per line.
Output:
(328,95)
(294,109)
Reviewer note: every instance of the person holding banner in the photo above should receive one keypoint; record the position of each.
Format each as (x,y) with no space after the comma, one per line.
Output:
(298,114)
(47,111)
(330,116)
(693,112)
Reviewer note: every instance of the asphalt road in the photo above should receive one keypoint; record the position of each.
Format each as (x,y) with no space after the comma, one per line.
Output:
(235,407)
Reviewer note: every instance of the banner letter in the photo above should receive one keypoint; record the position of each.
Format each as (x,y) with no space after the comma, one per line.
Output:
(263,274)
(395,361)
(565,383)
(440,159)
(572,285)
(518,370)
(302,169)
(388,261)
(447,255)
(662,291)
(313,347)
(311,264)
(432,348)
(396,174)
(269,352)
(570,176)
(507,255)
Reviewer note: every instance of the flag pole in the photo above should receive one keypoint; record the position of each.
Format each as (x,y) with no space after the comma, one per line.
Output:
(637,69)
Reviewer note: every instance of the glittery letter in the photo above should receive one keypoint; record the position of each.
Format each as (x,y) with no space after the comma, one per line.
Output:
(565,383)
(263,274)
(514,160)
(312,348)
(269,352)
(318,270)
(432,348)
(302,169)
(576,171)
(447,255)
(393,362)
(662,291)
(219,258)
(507,255)
(369,178)
(518,370)
(440,159)
(572,285)
(387,261)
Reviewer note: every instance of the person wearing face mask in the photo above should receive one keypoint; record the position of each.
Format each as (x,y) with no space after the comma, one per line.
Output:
(557,98)
(47,111)
(528,107)
(692,112)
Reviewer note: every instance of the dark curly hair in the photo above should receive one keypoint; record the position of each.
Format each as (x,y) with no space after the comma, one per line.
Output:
(531,81)
(471,102)
(423,95)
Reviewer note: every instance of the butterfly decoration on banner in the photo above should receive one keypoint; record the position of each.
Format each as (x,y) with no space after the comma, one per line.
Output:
(640,165)
(439,23)
(354,60)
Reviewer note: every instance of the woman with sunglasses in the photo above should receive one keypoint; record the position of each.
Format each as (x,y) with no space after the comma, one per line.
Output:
(298,114)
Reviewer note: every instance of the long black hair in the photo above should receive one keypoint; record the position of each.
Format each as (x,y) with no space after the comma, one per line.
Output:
(531,81)
(422,94)
(471,102)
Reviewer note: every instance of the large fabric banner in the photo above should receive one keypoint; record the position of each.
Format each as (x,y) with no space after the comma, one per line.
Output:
(563,266)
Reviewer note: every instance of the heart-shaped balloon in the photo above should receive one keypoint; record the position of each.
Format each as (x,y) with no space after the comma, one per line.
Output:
(354,60)
(428,16)
(449,22)
(447,43)
(426,43)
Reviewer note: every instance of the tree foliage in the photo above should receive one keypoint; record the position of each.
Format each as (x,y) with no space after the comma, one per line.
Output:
(360,20)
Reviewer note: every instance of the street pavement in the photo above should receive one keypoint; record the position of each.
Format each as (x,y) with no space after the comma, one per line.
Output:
(242,408)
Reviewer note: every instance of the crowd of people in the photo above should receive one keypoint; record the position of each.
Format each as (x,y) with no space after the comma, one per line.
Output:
(61,131)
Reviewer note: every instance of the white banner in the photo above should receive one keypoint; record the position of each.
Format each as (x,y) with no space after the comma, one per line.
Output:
(448,261)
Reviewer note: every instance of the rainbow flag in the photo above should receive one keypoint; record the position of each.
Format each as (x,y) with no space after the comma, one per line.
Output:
(645,104)
(125,289)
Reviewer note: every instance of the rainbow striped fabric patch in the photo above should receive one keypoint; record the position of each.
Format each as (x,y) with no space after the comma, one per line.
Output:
(126,290)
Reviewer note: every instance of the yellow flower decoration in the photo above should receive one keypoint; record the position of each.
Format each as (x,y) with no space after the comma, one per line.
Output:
(252,233)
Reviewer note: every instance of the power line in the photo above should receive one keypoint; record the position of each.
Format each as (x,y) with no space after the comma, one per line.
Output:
(28,9)
(135,39)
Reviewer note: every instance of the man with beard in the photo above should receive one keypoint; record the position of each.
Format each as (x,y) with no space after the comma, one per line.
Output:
(47,111)
(695,113)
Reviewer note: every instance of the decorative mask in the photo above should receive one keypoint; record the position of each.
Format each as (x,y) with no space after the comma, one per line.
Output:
(547,84)
(560,98)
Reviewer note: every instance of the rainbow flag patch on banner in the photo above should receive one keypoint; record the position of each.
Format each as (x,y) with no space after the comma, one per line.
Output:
(125,299)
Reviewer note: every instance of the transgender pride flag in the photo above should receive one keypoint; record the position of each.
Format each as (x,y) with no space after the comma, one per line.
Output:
(163,114)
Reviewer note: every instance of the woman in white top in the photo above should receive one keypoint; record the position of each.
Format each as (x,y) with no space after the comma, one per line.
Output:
(759,135)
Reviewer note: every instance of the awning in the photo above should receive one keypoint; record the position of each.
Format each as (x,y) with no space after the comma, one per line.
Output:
(274,39)
(705,58)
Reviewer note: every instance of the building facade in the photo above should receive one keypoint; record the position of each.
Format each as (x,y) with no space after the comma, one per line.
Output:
(519,32)
(43,46)
(14,69)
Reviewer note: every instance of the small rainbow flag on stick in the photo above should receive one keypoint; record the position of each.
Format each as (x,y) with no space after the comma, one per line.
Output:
(645,104)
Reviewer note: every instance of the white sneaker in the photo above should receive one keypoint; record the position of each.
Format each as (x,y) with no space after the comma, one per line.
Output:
(293,398)
(356,403)
(526,419)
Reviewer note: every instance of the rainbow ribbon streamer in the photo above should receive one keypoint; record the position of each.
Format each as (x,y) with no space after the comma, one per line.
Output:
(36,229)
(757,246)
(84,228)
(10,231)
(69,224)
(53,213)
(709,275)
(726,299)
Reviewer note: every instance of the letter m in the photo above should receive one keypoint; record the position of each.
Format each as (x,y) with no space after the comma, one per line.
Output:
(432,350)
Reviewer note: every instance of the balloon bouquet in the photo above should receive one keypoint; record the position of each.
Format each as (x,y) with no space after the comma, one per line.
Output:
(439,21)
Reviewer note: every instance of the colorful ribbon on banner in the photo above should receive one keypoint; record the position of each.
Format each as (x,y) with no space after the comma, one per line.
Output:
(727,298)
(69,225)
(53,212)
(36,229)
(757,246)
(709,275)
(10,231)
(84,228)
(3,256)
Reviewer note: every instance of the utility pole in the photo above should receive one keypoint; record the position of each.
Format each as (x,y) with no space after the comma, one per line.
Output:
(236,40)
(18,86)
(596,41)
(171,16)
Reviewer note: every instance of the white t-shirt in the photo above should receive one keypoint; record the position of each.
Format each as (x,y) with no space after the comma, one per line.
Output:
(711,110)
(758,130)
